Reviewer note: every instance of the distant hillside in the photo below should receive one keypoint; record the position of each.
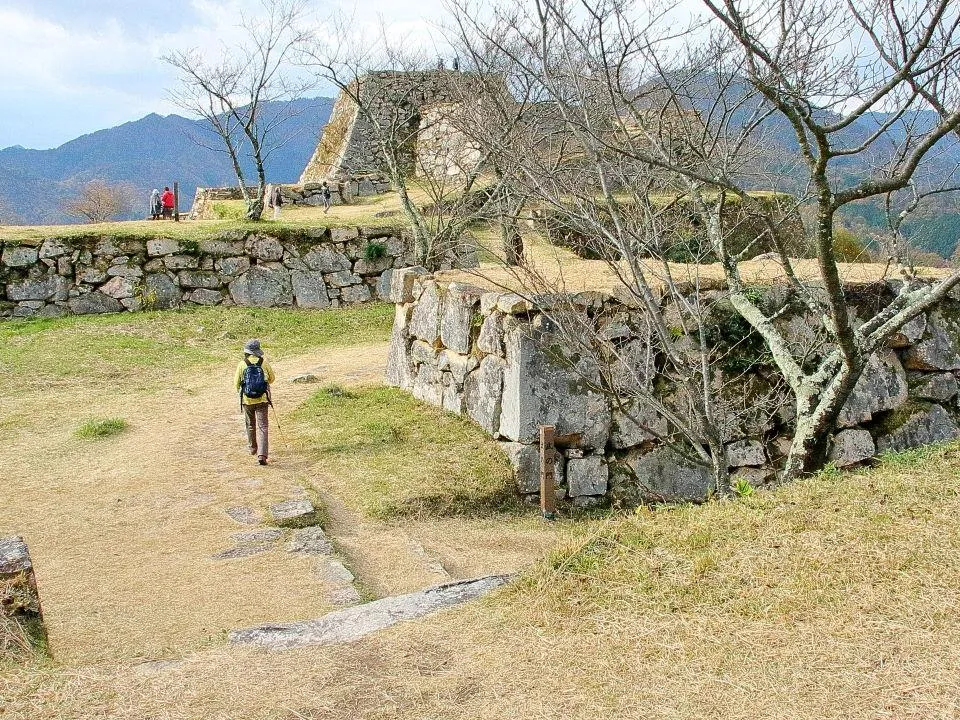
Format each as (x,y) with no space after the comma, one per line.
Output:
(151,152)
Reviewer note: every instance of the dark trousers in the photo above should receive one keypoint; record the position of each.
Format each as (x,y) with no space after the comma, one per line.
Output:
(256,419)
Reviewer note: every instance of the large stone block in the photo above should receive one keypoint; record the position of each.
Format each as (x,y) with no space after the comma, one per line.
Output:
(162,246)
(428,384)
(882,386)
(204,296)
(20,601)
(221,248)
(119,288)
(94,303)
(851,446)
(199,279)
(232,265)
(326,260)
(264,247)
(309,289)
(940,387)
(343,278)
(19,256)
(401,283)
(660,476)
(525,461)
(161,292)
(53,248)
(263,287)
(399,365)
(587,476)
(923,426)
(638,422)
(47,288)
(490,339)
(483,394)
(544,386)
(425,322)
(937,351)
(745,452)
(356,294)
(181,262)
(460,305)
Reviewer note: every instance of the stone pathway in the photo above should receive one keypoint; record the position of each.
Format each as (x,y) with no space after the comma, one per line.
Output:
(342,626)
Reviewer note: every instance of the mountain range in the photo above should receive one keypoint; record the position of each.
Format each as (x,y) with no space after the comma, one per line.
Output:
(147,153)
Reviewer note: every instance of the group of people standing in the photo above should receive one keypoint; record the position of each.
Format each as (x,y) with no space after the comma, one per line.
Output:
(161,205)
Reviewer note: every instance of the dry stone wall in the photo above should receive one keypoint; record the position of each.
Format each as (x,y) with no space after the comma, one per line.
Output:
(320,268)
(494,357)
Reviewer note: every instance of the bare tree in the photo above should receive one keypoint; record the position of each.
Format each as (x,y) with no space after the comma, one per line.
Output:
(833,102)
(232,92)
(98,201)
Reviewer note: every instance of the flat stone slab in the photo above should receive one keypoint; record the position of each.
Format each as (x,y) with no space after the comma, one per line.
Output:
(14,556)
(242,551)
(311,541)
(292,511)
(244,515)
(342,626)
(258,536)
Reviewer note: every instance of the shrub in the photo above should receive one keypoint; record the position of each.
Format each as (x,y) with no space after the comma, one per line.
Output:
(98,428)
(373,251)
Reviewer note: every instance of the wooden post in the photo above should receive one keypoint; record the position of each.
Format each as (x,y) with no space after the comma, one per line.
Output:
(548,485)
(176,201)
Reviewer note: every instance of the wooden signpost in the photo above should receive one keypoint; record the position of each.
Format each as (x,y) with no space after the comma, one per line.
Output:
(176,202)
(548,484)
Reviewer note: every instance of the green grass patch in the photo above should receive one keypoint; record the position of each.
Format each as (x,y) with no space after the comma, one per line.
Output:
(99,428)
(153,348)
(392,456)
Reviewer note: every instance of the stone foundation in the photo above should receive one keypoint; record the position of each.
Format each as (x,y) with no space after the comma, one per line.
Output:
(493,357)
(321,268)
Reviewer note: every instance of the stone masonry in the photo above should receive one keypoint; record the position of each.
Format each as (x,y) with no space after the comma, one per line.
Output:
(320,268)
(492,356)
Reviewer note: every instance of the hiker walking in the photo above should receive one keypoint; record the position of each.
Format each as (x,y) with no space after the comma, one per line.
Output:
(276,201)
(325,195)
(166,200)
(253,379)
(156,207)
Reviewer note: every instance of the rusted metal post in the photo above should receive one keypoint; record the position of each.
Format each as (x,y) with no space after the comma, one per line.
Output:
(176,201)
(548,484)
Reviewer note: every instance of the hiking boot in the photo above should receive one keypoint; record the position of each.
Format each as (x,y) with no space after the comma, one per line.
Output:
(262,460)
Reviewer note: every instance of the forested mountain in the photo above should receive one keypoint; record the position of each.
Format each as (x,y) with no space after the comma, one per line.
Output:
(147,153)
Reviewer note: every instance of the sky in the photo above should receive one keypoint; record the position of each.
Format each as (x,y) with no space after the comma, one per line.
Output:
(75,66)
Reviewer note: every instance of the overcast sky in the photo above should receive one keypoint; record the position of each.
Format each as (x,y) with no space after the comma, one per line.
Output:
(74,66)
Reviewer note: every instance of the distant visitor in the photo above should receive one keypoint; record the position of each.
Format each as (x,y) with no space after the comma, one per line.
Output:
(325,194)
(253,379)
(276,201)
(166,200)
(156,207)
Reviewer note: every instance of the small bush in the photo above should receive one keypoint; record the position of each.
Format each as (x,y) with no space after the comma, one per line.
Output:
(97,428)
(230,210)
(373,251)
(742,488)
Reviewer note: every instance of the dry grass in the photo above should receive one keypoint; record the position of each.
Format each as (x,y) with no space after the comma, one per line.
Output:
(835,597)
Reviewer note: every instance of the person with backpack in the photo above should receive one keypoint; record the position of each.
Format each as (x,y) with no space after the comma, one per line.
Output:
(325,194)
(253,379)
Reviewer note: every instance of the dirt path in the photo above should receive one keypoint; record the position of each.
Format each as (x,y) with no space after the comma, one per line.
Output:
(123,531)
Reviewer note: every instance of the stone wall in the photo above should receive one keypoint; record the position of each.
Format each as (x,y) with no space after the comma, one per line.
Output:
(495,358)
(22,632)
(349,146)
(317,268)
(342,192)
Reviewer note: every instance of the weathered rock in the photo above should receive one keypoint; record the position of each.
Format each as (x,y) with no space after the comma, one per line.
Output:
(745,452)
(244,515)
(161,292)
(244,550)
(490,339)
(344,278)
(258,536)
(204,296)
(383,284)
(53,248)
(460,308)
(427,386)
(355,294)
(587,476)
(20,600)
(221,248)
(92,275)
(119,288)
(305,379)
(637,423)
(452,400)
(659,476)
(162,246)
(94,303)
(402,281)
(353,623)
(543,388)
(199,279)
(882,386)
(46,288)
(294,513)
(311,541)
(181,262)
(425,321)
(458,365)
(940,387)
(262,287)
(309,289)
(909,333)
(326,260)
(851,446)
(920,427)
(525,461)
(264,247)
(372,267)
(513,304)
(127,270)
(482,394)
(19,256)
(756,476)
(937,351)
(232,265)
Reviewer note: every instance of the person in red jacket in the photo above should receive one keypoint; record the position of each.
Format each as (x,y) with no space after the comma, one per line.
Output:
(167,201)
